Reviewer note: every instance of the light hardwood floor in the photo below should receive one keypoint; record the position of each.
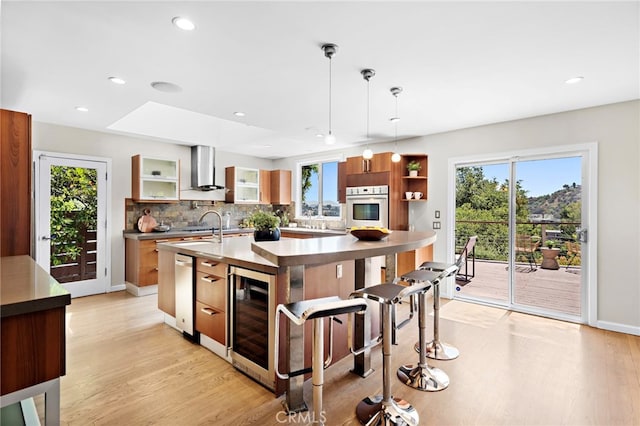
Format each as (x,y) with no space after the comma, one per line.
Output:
(125,367)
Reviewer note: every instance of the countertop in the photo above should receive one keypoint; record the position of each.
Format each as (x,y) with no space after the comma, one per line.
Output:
(25,287)
(312,251)
(234,251)
(178,233)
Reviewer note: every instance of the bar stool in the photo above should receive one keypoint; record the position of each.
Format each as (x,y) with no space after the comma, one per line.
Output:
(385,409)
(316,310)
(423,377)
(435,348)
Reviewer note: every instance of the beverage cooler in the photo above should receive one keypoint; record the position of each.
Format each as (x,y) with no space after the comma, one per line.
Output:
(252,324)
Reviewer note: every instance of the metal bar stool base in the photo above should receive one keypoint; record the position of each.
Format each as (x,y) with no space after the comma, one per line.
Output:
(302,408)
(423,378)
(373,411)
(440,351)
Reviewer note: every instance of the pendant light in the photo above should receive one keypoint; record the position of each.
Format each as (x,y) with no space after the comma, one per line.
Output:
(395,91)
(330,50)
(367,73)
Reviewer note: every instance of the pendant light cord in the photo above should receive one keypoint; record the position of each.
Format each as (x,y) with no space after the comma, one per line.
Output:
(368,104)
(329,95)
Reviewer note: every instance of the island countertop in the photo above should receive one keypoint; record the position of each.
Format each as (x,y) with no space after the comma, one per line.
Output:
(25,287)
(313,251)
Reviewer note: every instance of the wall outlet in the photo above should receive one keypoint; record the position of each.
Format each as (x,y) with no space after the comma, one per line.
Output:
(436,225)
(339,271)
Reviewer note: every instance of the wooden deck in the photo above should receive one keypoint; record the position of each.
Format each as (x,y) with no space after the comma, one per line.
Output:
(555,290)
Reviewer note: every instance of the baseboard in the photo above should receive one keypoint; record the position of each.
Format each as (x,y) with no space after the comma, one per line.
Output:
(620,328)
(142,291)
(118,287)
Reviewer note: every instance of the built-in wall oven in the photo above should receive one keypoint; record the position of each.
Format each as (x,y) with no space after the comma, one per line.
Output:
(368,206)
(252,324)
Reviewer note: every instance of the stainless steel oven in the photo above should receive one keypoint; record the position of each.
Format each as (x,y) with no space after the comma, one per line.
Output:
(252,326)
(368,206)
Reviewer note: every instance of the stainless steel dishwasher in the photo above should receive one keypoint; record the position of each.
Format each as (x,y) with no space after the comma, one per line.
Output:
(184,296)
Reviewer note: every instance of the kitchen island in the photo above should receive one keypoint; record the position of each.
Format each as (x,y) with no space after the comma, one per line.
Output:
(33,334)
(342,264)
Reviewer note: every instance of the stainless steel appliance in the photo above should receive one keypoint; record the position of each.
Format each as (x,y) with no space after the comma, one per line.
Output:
(368,206)
(252,327)
(184,296)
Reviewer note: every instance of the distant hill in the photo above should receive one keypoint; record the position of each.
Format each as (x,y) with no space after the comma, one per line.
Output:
(553,204)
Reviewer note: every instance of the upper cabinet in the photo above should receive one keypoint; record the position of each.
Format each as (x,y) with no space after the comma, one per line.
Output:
(15,183)
(255,186)
(280,186)
(379,163)
(243,184)
(414,185)
(342,182)
(155,179)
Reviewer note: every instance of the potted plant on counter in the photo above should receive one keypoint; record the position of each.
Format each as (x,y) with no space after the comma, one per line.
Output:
(265,226)
(413,167)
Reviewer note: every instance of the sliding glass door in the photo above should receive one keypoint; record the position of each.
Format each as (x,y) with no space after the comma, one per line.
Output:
(528,214)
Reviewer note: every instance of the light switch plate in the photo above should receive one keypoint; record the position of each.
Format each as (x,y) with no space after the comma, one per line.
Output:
(339,270)
(437,213)
(436,225)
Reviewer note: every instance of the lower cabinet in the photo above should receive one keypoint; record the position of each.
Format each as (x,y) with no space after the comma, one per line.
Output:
(211,299)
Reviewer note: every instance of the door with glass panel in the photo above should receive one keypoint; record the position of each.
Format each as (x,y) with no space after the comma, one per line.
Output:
(529,216)
(70,221)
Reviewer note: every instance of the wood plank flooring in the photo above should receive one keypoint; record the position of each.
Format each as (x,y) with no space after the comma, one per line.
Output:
(125,367)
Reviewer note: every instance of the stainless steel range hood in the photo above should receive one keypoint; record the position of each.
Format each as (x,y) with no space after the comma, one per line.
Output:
(203,168)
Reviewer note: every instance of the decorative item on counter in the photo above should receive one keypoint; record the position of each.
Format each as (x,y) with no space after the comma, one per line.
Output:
(370,233)
(413,168)
(266,226)
(146,222)
(162,227)
(284,217)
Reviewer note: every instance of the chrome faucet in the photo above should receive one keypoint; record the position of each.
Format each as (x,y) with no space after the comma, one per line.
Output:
(213,232)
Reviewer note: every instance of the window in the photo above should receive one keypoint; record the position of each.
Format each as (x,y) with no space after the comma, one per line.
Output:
(318,190)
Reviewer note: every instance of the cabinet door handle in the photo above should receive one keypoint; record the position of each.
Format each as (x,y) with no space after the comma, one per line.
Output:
(208,311)
(209,279)
(209,264)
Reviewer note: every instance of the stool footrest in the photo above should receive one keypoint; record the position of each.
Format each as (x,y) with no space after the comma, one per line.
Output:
(300,372)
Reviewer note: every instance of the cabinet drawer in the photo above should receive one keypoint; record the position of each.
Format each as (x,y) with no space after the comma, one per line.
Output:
(211,322)
(211,289)
(212,267)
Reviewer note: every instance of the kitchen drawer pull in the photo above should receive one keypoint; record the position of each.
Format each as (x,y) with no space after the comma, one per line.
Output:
(208,311)
(161,241)
(188,239)
(209,279)
(209,264)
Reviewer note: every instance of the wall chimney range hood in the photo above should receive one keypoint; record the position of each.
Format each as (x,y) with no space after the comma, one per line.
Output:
(203,169)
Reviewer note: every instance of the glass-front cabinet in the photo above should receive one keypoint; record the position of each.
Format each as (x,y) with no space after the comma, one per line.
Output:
(155,179)
(245,185)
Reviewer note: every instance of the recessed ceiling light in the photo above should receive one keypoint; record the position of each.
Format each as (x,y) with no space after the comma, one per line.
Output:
(116,80)
(574,80)
(394,119)
(165,86)
(183,23)
(319,135)
(82,109)
(239,114)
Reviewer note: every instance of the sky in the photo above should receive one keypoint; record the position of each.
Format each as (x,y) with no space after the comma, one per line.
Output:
(540,177)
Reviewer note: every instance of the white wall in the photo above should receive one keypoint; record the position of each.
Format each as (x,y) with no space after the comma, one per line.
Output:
(120,149)
(616,129)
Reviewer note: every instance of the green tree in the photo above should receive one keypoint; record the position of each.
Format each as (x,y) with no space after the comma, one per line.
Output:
(307,173)
(74,195)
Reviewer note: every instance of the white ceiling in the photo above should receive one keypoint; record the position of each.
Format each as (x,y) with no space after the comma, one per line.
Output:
(460,64)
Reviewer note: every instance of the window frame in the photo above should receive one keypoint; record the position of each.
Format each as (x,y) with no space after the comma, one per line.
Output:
(298,190)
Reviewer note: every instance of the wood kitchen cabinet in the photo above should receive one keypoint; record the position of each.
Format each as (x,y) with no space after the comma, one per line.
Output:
(264,194)
(211,299)
(415,183)
(379,163)
(15,183)
(243,184)
(280,186)
(155,179)
(342,182)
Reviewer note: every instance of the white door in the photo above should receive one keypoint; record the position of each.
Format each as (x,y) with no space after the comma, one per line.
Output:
(71,221)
